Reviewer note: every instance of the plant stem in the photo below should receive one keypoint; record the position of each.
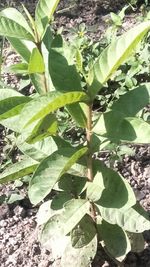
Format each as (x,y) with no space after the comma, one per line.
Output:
(39,47)
(88,138)
(89,156)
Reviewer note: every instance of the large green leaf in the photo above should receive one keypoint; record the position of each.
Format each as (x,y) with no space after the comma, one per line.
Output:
(83,233)
(113,183)
(43,105)
(135,219)
(115,239)
(82,257)
(50,170)
(13,24)
(43,14)
(6,96)
(45,127)
(62,57)
(12,123)
(22,47)
(117,127)
(24,167)
(11,103)
(133,101)
(74,210)
(39,150)
(114,55)
(36,63)
(15,15)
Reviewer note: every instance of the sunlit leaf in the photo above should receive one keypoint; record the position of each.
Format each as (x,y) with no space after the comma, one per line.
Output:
(50,170)
(18,170)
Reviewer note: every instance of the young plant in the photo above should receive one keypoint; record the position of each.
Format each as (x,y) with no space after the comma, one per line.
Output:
(92,203)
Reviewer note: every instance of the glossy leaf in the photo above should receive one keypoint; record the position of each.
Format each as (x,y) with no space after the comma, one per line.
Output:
(115,54)
(12,27)
(115,239)
(43,105)
(135,219)
(18,170)
(36,63)
(43,14)
(83,233)
(50,170)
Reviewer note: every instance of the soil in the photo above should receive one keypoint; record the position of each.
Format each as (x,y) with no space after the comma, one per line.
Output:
(19,246)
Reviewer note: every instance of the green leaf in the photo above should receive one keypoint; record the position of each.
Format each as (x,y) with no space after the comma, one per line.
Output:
(52,236)
(115,239)
(12,123)
(110,196)
(50,170)
(38,80)
(6,93)
(133,101)
(59,200)
(116,19)
(94,191)
(83,233)
(15,15)
(39,150)
(77,114)
(74,210)
(116,127)
(134,130)
(36,63)
(115,54)
(45,127)
(14,198)
(72,184)
(137,242)
(43,14)
(22,47)
(60,58)
(44,213)
(12,24)
(135,219)
(11,103)
(20,68)
(82,257)
(43,105)
(19,169)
